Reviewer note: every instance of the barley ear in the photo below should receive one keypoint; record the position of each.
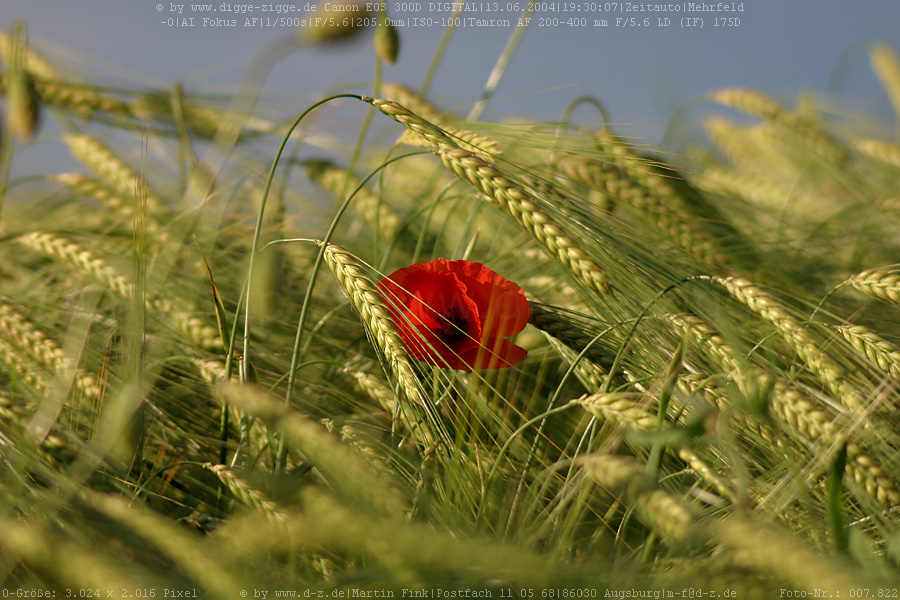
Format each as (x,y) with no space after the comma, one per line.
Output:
(518,201)
(173,543)
(875,348)
(21,97)
(57,246)
(571,334)
(803,345)
(110,169)
(800,131)
(782,556)
(382,331)
(524,208)
(657,508)
(246,493)
(619,407)
(880,282)
(375,315)
(659,205)
(339,182)
(886,152)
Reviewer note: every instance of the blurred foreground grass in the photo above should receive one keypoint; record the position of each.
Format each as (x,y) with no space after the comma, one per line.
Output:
(196,396)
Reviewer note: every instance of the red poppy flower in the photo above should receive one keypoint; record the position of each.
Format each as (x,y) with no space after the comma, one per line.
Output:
(457,314)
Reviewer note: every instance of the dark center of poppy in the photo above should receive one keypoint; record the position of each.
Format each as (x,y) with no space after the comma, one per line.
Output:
(453,326)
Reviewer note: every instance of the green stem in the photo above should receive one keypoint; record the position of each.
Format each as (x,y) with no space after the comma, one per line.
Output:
(500,67)
(439,52)
(245,358)
(259,223)
(304,309)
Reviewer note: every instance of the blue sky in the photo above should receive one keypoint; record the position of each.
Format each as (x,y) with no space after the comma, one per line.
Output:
(642,74)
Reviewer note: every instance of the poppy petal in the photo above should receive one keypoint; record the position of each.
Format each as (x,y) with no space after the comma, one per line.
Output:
(435,318)
(457,314)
